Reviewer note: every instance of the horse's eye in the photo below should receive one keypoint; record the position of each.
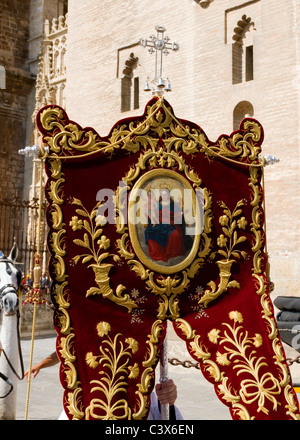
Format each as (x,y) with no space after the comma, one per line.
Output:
(8,270)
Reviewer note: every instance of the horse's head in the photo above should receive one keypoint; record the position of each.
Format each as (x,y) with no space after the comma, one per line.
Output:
(10,279)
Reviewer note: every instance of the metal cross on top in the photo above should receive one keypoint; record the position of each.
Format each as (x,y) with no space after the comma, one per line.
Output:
(161,45)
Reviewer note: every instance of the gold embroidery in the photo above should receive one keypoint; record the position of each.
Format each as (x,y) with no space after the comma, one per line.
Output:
(95,243)
(115,355)
(65,350)
(292,402)
(160,119)
(147,375)
(267,313)
(238,349)
(57,244)
(241,411)
(227,242)
(74,404)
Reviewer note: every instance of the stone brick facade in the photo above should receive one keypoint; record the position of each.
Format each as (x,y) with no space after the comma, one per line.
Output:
(14,33)
(21,35)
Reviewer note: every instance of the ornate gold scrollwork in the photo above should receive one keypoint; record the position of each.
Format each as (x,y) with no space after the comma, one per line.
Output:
(237,347)
(70,138)
(74,404)
(66,349)
(262,287)
(148,373)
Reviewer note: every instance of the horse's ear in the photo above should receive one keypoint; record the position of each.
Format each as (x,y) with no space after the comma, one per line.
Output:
(13,253)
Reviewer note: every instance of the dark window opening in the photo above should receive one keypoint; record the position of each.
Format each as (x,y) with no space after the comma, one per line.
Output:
(249,63)
(62,7)
(237,63)
(125,94)
(136,92)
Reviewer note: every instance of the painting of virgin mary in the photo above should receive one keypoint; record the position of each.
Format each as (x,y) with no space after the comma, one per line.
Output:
(165,232)
(163,204)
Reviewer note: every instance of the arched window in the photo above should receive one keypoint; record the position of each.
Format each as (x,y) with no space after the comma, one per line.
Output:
(242,110)
(130,85)
(242,51)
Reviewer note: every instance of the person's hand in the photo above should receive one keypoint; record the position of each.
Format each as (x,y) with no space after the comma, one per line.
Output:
(34,371)
(166,392)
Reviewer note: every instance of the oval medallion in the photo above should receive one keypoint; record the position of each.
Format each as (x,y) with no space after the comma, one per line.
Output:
(164,219)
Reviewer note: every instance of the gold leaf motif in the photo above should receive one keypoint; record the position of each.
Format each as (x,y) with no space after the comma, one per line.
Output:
(49,117)
(61,294)
(59,268)
(65,348)
(71,375)
(64,321)
(74,405)
(213,370)
(186,328)
(57,217)
(228,394)
(242,412)
(153,339)
(134,371)
(54,191)
(199,350)
(56,243)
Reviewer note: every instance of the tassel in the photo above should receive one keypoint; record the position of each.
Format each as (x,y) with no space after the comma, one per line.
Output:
(35,295)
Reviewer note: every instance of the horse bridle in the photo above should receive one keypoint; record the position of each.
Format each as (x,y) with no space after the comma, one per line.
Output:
(3,288)
(2,295)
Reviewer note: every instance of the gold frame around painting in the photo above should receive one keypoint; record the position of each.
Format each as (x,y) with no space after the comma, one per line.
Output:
(159,179)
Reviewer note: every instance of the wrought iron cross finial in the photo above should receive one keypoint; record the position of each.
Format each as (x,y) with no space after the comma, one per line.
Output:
(161,45)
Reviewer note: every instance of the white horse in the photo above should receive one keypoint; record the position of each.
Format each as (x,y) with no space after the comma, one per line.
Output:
(10,352)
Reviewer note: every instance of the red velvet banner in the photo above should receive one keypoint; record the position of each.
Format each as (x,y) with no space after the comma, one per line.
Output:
(153,223)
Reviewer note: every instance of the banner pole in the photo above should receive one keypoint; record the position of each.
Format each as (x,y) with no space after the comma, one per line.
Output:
(34,296)
(164,375)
